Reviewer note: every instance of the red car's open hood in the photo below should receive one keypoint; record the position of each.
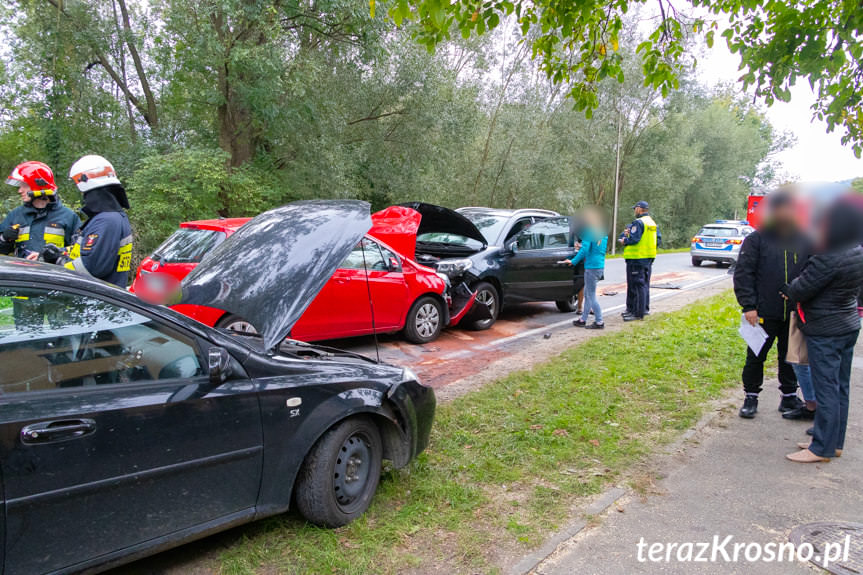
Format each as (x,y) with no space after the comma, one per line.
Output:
(397,227)
(271,269)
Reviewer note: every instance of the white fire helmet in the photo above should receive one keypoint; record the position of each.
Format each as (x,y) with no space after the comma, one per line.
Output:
(93,172)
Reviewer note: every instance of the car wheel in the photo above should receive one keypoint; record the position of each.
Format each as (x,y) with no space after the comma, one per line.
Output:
(696,262)
(424,321)
(340,475)
(235,323)
(486,294)
(567,305)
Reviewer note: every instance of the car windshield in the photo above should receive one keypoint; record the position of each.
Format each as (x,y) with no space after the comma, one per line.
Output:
(448,239)
(188,245)
(717,232)
(490,226)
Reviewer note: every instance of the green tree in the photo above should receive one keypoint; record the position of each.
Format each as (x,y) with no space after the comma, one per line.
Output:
(577,44)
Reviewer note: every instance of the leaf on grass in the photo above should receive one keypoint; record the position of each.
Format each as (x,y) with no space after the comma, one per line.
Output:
(536,426)
(560,433)
(594,442)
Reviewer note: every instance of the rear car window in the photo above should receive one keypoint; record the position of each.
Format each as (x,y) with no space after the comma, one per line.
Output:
(188,245)
(719,232)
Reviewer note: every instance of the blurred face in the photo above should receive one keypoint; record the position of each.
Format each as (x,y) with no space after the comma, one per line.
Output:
(785,216)
(639,211)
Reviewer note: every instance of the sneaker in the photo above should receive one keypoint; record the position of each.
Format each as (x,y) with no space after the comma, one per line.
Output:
(595,325)
(799,413)
(810,431)
(790,403)
(750,407)
(579,311)
(632,318)
(579,323)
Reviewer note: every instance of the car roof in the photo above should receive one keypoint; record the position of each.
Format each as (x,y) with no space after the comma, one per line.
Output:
(218,224)
(508,212)
(19,270)
(732,226)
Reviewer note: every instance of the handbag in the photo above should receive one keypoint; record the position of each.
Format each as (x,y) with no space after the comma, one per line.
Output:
(797,350)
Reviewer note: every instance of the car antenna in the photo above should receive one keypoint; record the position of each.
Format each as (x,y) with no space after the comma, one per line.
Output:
(371,303)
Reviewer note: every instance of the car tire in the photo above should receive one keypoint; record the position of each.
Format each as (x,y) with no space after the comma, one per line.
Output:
(340,474)
(486,292)
(235,323)
(696,262)
(567,305)
(424,321)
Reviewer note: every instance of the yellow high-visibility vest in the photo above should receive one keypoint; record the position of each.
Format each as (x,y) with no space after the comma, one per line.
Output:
(646,246)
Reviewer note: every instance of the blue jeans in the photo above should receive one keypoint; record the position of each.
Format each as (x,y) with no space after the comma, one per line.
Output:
(591,278)
(830,363)
(804,380)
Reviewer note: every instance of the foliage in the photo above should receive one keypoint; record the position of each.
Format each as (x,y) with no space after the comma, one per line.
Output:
(577,44)
(188,185)
(857,185)
(311,101)
(506,462)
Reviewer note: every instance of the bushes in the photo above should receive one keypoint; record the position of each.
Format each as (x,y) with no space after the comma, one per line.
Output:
(191,184)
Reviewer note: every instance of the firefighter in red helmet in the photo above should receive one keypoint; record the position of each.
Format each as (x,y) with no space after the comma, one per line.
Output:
(42,225)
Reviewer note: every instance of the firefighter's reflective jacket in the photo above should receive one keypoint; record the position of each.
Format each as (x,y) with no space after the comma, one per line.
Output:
(55,224)
(103,248)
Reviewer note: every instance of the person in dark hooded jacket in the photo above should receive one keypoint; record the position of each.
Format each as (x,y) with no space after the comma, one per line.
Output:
(769,258)
(104,246)
(826,295)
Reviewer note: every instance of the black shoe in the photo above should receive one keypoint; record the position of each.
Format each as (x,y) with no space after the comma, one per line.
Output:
(632,318)
(790,403)
(799,413)
(591,312)
(579,323)
(810,431)
(750,407)
(625,313)
(595,325)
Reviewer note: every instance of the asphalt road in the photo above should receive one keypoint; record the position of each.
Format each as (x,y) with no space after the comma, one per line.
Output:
(448,358)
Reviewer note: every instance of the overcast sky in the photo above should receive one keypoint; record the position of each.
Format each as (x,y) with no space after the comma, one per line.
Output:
(817,155)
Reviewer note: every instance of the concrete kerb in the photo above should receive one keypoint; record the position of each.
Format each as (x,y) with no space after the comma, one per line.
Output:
(610,496)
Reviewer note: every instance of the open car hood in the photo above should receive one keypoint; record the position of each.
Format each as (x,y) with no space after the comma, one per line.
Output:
(437,219)
(397,226)
(271,269)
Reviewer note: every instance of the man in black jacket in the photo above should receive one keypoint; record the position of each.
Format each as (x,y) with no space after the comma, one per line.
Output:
(769,259)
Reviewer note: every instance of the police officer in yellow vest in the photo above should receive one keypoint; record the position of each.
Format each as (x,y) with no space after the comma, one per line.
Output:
(639,239)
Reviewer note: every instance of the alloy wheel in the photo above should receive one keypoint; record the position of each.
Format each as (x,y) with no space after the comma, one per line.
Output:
(427,320)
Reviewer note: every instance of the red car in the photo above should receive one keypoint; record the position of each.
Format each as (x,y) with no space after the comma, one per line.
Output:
(373,282)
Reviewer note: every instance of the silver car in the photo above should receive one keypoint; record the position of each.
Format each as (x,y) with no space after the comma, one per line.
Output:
(719,242)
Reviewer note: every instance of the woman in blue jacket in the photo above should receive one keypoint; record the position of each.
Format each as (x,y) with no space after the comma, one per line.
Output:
(594,242)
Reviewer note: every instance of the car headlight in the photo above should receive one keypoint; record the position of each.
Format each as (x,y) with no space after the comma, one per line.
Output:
(445,278)
(454,268)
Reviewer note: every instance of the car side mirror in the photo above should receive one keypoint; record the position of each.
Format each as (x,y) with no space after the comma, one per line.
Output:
(219,365)
(512,246)
(395,265)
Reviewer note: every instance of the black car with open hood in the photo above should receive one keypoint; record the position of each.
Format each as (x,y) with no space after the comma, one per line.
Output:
(505,256)
(127,428)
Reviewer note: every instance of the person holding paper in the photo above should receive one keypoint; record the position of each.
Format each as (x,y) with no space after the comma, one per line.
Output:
(769,258)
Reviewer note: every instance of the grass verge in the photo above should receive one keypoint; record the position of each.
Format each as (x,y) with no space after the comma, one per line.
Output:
(507,462)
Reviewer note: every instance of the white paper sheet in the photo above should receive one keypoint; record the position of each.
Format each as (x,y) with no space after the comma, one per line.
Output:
(753,335)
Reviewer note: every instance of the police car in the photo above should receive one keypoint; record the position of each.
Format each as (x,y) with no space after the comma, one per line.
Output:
(719,242)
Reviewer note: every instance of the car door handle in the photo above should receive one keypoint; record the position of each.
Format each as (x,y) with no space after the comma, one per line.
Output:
(342,280)
(61,430)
